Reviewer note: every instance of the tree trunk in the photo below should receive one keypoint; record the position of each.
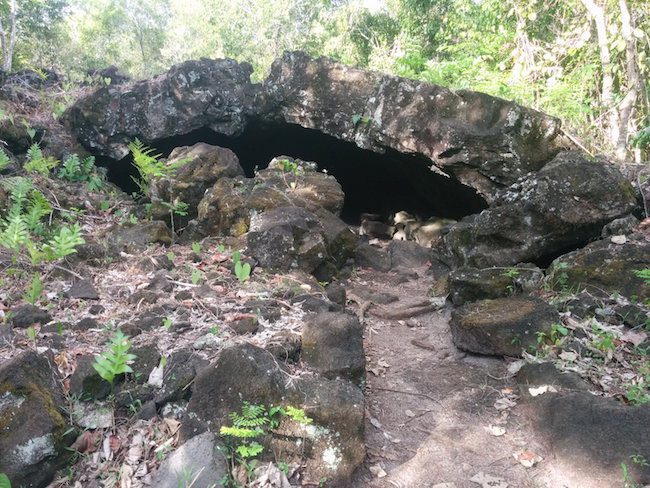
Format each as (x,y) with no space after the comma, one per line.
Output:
(3,42)
(8,46)
(633,81)
(607,91)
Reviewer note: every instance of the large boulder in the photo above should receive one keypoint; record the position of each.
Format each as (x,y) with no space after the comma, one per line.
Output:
(32,428)
(604,266)
(503,326)
(215,94)
(201,165)
(245,373)
(332,344)
(228,206)
(562,206)
(468,284)
(484,141)
(287,238)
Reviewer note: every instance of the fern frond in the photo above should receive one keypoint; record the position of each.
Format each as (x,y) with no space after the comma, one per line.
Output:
(37,208)
(15,234)
(63,243)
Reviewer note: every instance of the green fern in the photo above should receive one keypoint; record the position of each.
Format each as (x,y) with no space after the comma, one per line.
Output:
(63,243)
(37,208)
(251,416)
(75,170)
(34,291)
(150,165)
(15,234)
(115,360)
(4,481)
(38,163)
(4,160)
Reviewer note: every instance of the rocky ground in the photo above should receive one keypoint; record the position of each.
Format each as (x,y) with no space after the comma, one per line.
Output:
(332,359)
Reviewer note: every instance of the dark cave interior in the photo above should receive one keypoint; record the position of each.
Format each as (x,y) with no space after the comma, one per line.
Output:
(372,182)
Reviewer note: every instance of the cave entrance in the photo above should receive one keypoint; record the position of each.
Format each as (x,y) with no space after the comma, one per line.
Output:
(372,182)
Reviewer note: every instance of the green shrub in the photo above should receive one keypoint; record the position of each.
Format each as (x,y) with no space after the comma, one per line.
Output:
(115,359)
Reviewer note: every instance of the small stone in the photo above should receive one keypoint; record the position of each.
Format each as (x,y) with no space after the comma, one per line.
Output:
(27,315)
(83,290)
(96,309)
(199,460)
(244,326)
(86,324)
(92,415)
(208,341)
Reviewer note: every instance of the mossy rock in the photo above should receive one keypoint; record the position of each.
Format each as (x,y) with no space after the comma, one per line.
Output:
(503,326)
(33,437)
(603,266)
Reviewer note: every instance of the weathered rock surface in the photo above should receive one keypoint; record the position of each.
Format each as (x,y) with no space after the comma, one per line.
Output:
(27,315)
(605,266)
(501,327)
(229,205)
(133,238)
(592,434)
(247,373)
(207,93)
(197,462)
(287,238)
(32,429)
(563,205)
(202,165)
(332,344)
(471,284)
(242,372)
(485,142)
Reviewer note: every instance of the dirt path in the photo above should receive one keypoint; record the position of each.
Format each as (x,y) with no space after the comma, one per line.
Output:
(434,414)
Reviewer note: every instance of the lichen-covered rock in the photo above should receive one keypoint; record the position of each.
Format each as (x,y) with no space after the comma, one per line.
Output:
(216,94)
(287,238)
(201,166)
(199,461)
(32,429)
(605,266)
(332,447)
(471,284)
(240,373)
(229,205)
(134,238)
(332,344)
(484,141)
(337,441)
(503,326)
(563,205)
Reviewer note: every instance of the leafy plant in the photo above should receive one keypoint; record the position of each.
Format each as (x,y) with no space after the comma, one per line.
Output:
(115,359)
(34,291)
(63,243)
(74,169)
(242,270)
(197,276)
(38,163)
(4,481)
(196,248)
(561,277)
(644,274)
(31,333)
(4,160)
(150,165)
(175,207)
(249,427)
